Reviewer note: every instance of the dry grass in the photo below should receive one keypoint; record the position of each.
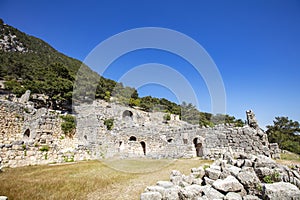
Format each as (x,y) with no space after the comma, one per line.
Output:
(289,159)
(89,180)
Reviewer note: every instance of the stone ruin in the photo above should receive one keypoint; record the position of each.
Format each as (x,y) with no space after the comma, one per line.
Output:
(252,122)
(30,136)
(246,177)
(141,134)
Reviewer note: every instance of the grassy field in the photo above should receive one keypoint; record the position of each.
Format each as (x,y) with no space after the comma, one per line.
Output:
(90,179)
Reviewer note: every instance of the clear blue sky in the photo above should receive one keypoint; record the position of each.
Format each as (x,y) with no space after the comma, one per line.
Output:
(255,44)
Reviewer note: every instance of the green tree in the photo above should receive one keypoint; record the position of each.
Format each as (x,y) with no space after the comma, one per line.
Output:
(285,132)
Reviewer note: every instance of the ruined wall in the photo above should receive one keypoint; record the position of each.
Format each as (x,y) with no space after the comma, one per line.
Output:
(156,139)
(30,137)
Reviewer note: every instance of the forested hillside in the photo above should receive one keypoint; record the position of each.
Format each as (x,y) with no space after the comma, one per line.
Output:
(28,63)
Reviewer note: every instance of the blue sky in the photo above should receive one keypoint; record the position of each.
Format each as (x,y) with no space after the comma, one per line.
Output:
(255,44)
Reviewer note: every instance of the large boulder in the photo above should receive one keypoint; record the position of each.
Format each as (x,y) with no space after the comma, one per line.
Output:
(165,184)
(213,174)
(250,197)
(151,196)
(212,193)
(233,196)
(171,193)
(155,188)
(233,170)
(248,178)
(229,184)
(281,190)
(264,161)
(190,192)
(261,172)
(198,172)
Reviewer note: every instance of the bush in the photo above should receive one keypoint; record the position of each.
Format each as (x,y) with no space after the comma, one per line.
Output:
(68,125)
(275,177)
(44,148)
(205,167)
(109,123)
(167,117)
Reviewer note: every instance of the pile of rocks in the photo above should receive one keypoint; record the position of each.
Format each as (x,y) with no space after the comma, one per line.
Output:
(248,177)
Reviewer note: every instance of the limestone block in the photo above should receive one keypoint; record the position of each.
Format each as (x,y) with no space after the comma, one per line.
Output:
(233,170)
(155,189)
(250,197)
(190,192)
(208,181)
(229,184)
(264,161)
(232,196)
(211,193)
(212,173)
(261,172)
(281,190)
(151,196)
(165,184)
(248,178)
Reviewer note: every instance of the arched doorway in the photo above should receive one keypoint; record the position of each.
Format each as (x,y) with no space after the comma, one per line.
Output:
(198,147)
(144,147)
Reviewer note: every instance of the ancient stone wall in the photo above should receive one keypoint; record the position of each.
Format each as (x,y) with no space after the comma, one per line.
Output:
(31,136)
(155,138)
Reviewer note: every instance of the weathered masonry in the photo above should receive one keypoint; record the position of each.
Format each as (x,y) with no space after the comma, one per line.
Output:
(30,136)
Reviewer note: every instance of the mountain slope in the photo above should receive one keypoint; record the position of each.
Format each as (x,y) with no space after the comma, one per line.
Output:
(28,63)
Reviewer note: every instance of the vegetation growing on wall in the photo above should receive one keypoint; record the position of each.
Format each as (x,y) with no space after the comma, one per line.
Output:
(68,125)
(167,117)
(109,123)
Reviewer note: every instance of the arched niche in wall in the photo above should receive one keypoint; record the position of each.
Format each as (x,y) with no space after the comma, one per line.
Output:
(132,138)
(127,114)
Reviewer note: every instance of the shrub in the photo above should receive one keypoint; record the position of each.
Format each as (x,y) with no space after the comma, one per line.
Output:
(268,179)
(205,167)
(68,125)
(109,123)
(275,177)
(167,117)
(44,148)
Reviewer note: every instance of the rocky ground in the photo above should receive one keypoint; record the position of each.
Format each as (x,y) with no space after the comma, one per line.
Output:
(247,177)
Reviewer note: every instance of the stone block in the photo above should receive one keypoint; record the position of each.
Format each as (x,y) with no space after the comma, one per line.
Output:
(281,190)
(229,184)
